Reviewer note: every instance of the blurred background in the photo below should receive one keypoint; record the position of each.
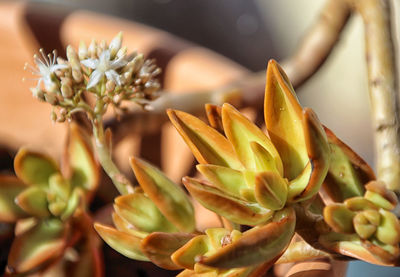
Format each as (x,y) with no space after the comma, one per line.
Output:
(248,33)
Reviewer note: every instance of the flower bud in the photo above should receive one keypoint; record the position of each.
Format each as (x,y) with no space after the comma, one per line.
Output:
(110,86)
(92,50)
(115,44)
(82,51)
(38,93)
(77,75)
(73,58)
(50,98)
(121,52)
(138,63)
(66,91)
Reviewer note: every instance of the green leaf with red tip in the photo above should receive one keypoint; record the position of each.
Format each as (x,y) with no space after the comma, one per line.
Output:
(362,224)
(226,179)
(264,161)
(142,213)
(271,190)
(380,195)
(388,230)
(206,143)
(347,173)
(124,243)
(124,226)
(186,255)
(241,131)
(76,198)
(339,218)
(159,247)
(10,187)
(353,246)
(34,168)
(283,116)
(359,203)
(33,201)
(170,199)
(318,152)
(80,159)
(231,208)
(38,246)
(260,244)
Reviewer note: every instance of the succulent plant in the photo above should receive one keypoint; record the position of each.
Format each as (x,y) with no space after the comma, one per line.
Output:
(48,205)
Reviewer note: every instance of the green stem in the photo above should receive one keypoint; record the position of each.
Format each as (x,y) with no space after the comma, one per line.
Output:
(122,183)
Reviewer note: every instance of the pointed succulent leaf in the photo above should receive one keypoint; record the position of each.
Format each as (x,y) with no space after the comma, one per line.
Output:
(318,153)
(283,115)
(59,186)
(33,201)
(10,187)
(347,171)
(38,246)
(80,158)
(214,117)
(339,218)
(218,236)
(34,168)
(124,226)
(271,190)
(388,230)
(142,213)
(297,185)
(300,251)
(380,195)
(186,256)
(352,246)
(159,247)
(57,207)
(231,208)
(170,199)
(241,131)
(206,143)
(76,198)
(260,244)
(126,244)
(226,179)
(385,253)
(264,161)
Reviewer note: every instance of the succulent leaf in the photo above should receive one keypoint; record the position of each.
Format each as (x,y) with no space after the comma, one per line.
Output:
(33,201)
(186,256)
(126,244)
(240,131)
(260,244)
(271,190)
(233,209)
(124,226)
(283,116)
(380,195)
(264,161)
(206,143)
(339,218)
(226,179)
(388,230)
(347,171)
(80,159)
(214,117)
(158,247)
(34,168)
(170,199)
(35,248)
(142,213)
(10,187)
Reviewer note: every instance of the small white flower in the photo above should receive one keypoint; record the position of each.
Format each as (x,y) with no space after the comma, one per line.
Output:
(104,66)
(45,67)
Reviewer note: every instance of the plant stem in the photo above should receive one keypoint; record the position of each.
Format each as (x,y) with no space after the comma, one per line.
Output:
(122,183)
(382,88)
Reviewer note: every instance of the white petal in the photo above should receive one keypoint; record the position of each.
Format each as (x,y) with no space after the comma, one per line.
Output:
(120,62)
(57,67)
(105,55)
(112,75)
(91,63)
(95,77)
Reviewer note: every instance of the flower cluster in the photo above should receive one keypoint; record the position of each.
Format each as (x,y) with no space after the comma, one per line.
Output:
(106,72)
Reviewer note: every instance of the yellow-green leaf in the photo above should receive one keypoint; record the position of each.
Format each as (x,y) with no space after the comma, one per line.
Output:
(206,143)
(232,208)
(10,187)
(271,190)
(33,201)
(126,244)
(283,118)
(142,213)
(241,131)
(170,199)
(34,168)
(339,218)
